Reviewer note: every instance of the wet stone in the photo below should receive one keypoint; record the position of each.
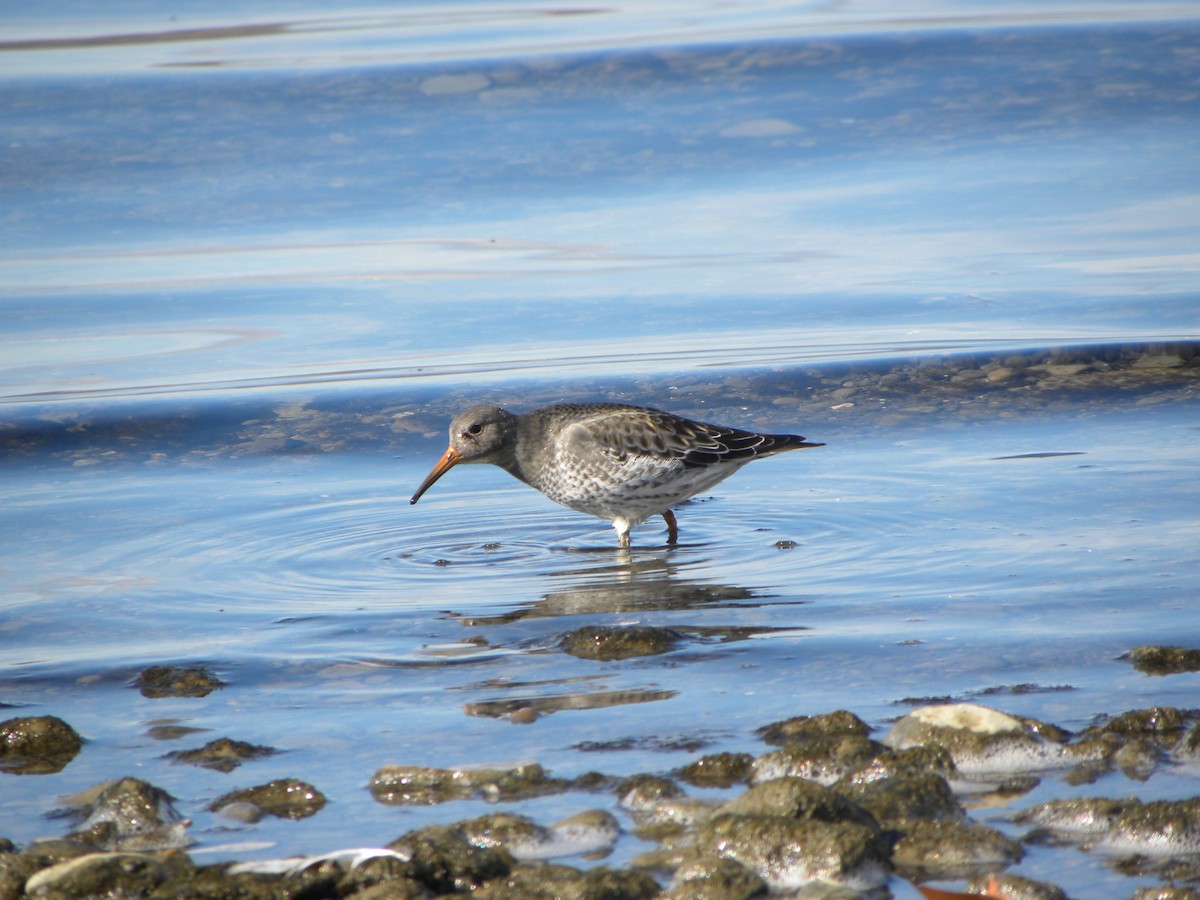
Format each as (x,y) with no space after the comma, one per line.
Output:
(790,853)
(444,860)
(714,879)
(130,815)
(400,785)
(221,755)
(1162,660)
(619,642)
(1082,818)
(284,798)
(1016,887)
(952,849)
(822,759)
(98,875)
(980,740)
(37,745)
(157,682)
(643,792)
(718,770)
(918,760)
(798,798)
(802,728)
(549,882)
(901,800)
(1165,721)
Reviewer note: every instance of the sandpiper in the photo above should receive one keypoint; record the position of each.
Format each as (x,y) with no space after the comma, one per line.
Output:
(621,463)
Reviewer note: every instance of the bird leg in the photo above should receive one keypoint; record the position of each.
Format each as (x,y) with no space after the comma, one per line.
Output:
(672,528)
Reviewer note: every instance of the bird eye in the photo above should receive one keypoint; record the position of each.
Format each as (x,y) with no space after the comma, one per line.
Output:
(474,428)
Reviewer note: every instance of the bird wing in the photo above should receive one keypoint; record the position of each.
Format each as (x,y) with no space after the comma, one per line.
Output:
(669,438)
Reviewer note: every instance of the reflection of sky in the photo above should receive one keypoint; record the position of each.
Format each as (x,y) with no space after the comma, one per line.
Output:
(935,178)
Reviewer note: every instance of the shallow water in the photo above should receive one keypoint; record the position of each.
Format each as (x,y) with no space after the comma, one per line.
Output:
(249,275)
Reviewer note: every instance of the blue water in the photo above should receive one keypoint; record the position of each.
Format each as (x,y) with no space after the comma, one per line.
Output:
(253,258)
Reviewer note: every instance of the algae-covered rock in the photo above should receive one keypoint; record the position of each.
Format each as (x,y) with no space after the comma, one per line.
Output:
(980,740)
(588,833)
(542,881)
(790,853)
(801,728)
(952,850)
(1165,721)
(221,755)
(798,798)
(157,682)
(718,770)
(1016,887)
(643,792)
(284,798)
(903,799)
(619,641)
(130,815)
(37,745)
(425,785)
(444,860)
(717,878)
(823,759)
(1164,660)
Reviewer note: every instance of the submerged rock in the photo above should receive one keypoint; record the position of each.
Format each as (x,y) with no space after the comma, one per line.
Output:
(157,682)
(619,642)
(37,745)
(221,755)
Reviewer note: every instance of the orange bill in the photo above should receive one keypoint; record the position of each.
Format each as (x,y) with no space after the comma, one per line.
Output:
(449,460)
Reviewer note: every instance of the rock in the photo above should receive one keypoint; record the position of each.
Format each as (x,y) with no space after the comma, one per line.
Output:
(980,740)
(1160,660)
(619,642)
(1158,361)
(37,745)
(399,785)
(798,798)
(790,853)
(443,859)
(157,682)
(952,849)
(717,770)
(904,799)
(822,759)
(714,879)
(284,798)
(130,815)
(98,875)
(221,755)
(802,728)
